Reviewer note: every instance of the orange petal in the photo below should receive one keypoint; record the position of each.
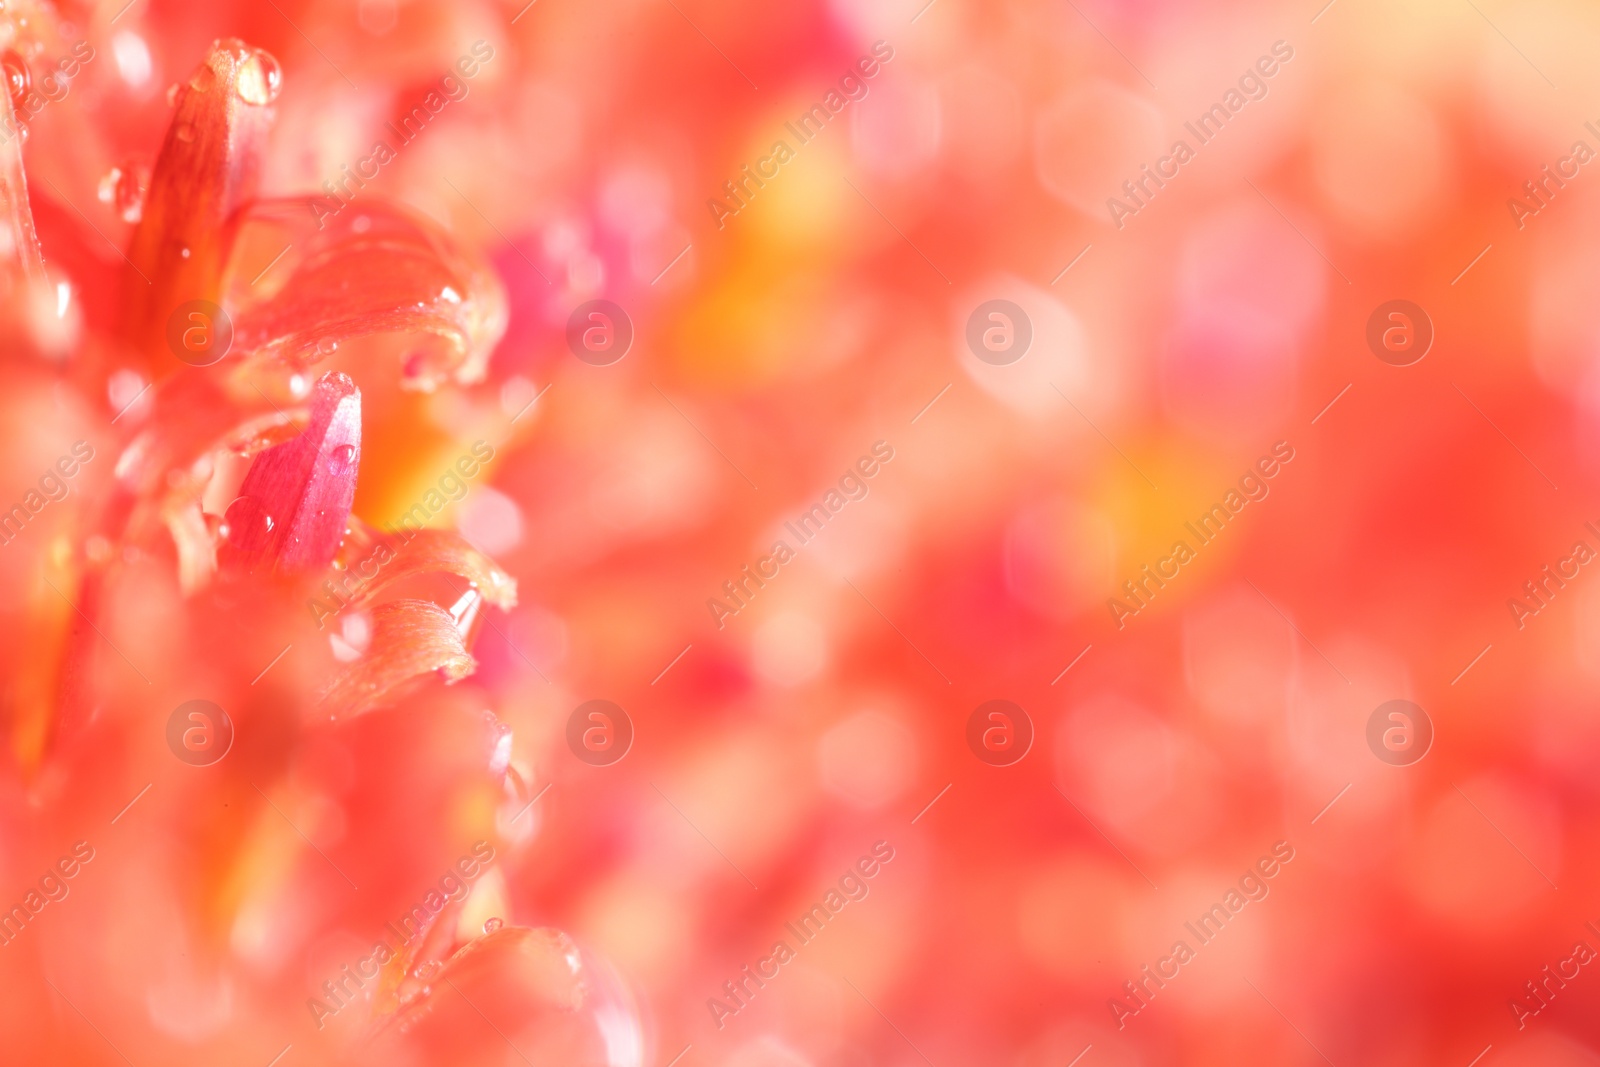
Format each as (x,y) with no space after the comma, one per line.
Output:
(409,638)
(208,166)
(304,280)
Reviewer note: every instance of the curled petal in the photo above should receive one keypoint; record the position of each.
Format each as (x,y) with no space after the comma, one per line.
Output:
(371,268)
(208,166)
(389,558)
(409,638)
(537,989)
(197,550)
(293,503)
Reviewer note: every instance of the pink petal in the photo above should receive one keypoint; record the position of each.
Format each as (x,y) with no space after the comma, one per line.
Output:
(295,501)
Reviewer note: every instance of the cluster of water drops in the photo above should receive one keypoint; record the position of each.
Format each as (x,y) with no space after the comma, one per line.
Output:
(259,80)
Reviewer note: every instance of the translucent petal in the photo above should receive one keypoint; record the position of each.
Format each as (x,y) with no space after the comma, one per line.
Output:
(303,283)
(512,995)
(374,561)
(410,638)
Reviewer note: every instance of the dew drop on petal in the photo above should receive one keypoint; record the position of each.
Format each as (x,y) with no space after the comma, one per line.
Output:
(424,970)
(124,188)
(185,132)
(339,460)
(493,924)
(107,189)
(18,80)
(249,526)
(260,78)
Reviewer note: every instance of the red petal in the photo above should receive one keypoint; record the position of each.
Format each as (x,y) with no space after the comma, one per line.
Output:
(294,502)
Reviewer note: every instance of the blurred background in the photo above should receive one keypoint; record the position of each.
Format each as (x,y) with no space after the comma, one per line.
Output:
(1054,366)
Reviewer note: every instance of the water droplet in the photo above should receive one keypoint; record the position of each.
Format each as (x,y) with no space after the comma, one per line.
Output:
(491,925)
(424,970)
(249,525)
(216,526)
(260,77)
(203,78)
(340,458)
(18,80)
(124,186)
(185,132)
(107,189)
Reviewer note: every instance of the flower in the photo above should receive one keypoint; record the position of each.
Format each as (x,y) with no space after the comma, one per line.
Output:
(300,819)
